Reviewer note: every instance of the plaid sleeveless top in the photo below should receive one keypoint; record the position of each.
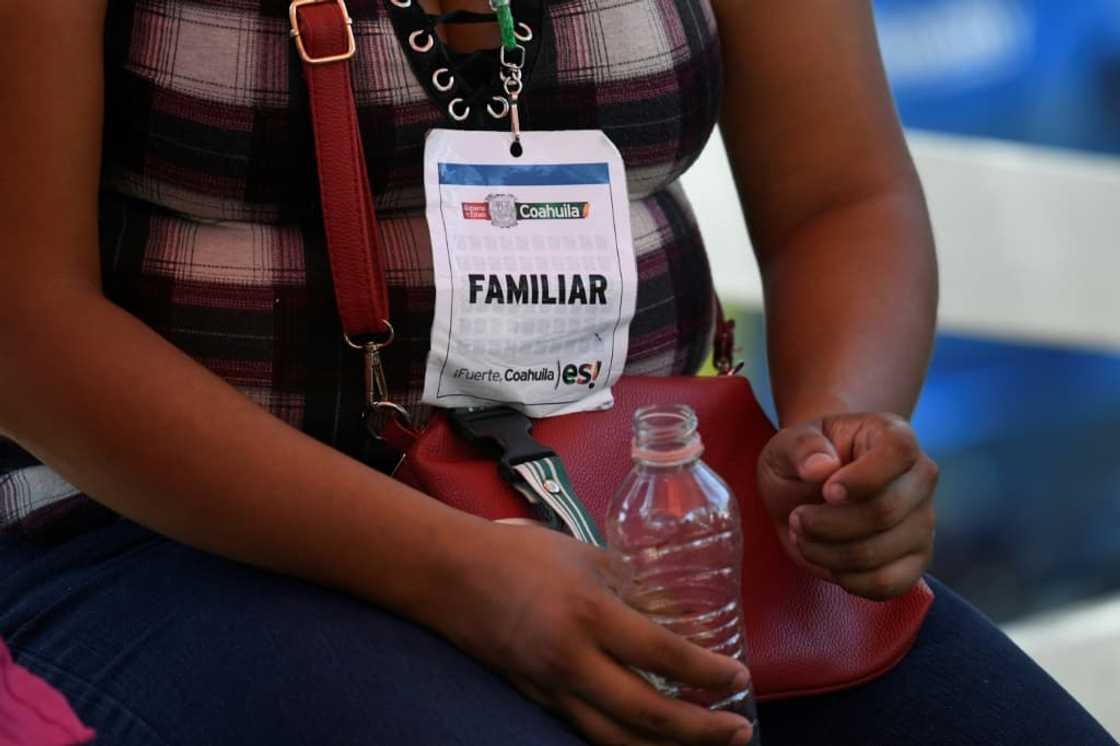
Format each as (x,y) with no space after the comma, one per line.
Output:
(210,229)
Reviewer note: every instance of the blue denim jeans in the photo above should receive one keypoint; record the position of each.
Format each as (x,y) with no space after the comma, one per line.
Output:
(156,644)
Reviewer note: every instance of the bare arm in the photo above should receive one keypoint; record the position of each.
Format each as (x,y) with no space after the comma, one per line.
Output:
(834,206)
(145,430)
(844,244)
(135,422)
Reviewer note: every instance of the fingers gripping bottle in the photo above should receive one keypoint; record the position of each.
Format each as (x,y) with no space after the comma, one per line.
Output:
(675,524)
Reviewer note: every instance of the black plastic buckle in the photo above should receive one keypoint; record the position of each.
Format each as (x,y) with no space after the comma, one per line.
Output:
(504,432)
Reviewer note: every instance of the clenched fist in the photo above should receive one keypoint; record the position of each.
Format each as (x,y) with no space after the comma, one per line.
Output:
(852,499)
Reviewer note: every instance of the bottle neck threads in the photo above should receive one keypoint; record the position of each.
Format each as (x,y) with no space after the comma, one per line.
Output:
(665,435)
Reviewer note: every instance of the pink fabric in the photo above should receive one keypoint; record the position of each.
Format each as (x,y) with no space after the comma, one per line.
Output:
(32,713)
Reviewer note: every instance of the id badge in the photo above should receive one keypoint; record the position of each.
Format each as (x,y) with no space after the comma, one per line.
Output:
(534,268)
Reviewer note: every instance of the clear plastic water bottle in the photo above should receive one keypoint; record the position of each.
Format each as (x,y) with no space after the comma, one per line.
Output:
(675,524)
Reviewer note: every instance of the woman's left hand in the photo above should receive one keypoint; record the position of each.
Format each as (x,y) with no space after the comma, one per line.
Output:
(852,498)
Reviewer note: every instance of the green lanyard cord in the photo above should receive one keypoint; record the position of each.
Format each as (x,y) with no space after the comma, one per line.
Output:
(505,22)
(511,79)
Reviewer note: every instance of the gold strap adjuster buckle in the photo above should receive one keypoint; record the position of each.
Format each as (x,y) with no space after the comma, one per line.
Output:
(351,45)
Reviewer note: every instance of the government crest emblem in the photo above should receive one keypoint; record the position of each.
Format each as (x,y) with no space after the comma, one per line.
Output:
(503,210)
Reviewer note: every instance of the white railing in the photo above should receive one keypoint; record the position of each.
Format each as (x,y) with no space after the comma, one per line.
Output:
(1028,238)
(1080,647)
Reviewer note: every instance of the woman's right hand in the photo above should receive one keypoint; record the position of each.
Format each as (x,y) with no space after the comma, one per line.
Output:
(540,607)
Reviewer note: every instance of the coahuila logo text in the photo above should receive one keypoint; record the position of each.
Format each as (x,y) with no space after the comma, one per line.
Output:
(504,211)
(568,374)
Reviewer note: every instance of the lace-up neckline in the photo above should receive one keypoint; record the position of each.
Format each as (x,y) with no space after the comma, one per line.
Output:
(467,85)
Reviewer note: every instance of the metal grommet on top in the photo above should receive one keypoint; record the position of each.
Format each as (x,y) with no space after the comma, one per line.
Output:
(402,3)
(526,35)
(503,107)
(445,86)
(458,117)
(416,46)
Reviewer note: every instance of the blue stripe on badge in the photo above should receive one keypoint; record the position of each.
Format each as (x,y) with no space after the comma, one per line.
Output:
(469,174)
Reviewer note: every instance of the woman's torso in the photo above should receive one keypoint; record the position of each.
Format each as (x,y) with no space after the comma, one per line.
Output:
(210,231)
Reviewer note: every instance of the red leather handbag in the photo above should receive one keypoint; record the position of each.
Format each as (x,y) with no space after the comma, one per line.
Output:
(805,636)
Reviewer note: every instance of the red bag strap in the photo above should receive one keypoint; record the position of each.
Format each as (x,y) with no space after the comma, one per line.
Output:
(325,39)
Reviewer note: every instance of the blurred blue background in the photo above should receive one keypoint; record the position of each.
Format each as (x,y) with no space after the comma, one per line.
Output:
(1036,71)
